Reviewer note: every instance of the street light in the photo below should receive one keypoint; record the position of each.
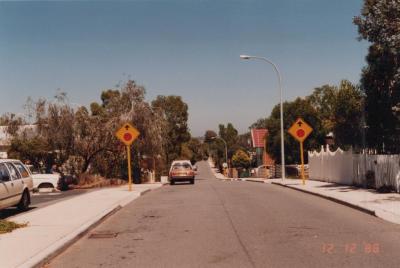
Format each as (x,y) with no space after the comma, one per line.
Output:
(247,57)
(226,148)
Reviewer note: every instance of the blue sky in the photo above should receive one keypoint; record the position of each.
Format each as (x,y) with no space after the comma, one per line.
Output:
(189,48)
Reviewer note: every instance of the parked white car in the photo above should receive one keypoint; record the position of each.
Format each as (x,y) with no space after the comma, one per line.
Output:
(41,181)
(16,184)
(44,180)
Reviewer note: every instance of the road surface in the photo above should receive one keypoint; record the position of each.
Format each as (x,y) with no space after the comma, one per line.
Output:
(235,224)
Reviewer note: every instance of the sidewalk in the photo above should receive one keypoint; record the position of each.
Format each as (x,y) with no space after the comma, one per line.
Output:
(385,206)
(52,228)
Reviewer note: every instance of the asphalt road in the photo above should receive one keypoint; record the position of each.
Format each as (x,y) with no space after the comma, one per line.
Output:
(40,200)
(235,224)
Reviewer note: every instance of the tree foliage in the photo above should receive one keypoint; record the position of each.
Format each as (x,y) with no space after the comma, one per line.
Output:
(209,135)
(240,159)
(379,24)
(336,109)
(87,137)
(175,111)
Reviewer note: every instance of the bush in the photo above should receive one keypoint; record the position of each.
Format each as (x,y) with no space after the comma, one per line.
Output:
(240,159)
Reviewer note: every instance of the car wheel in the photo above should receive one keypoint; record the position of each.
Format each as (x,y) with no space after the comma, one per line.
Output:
(172,182)
(192,181)
(24,202)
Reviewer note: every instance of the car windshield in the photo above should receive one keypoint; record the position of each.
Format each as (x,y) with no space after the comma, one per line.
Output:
(181,166)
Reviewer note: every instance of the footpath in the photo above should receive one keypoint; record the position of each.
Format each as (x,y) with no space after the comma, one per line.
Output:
(382,205)
(52,228)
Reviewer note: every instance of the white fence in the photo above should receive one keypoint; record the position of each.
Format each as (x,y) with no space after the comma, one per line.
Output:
(331,166)
(350,169)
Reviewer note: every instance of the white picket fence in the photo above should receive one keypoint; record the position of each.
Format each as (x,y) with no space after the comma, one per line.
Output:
(344,167)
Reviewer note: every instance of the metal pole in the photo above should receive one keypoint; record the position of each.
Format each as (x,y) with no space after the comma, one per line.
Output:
(302,162)
(128,152)
(226,152)
(281,106)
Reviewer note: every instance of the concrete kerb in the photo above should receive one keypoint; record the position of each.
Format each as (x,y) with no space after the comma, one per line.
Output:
(254,180)
(348,204)
(56,248)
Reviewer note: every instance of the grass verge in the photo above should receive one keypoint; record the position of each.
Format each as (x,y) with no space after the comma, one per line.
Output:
(9,226)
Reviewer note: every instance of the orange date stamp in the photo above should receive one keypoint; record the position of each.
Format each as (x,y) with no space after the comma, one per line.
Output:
(351,248)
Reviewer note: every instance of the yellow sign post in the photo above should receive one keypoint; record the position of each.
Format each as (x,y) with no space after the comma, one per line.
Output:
(127,134)
(300,131)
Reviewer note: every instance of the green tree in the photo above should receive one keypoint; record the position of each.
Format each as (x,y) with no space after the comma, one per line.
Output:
(175,112)
(87,139)
(340,111)
(216,147)
(347,115)
(323,100)
(300,107)
(231,137)
(195,146)
(228,133)
(379,24)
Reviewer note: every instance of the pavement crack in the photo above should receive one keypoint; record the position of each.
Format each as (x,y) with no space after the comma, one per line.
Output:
(234,229)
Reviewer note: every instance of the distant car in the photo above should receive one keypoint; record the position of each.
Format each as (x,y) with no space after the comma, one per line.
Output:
(16,184)
(181,170)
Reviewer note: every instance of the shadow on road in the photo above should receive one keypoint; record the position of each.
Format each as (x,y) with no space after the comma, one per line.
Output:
(9,212)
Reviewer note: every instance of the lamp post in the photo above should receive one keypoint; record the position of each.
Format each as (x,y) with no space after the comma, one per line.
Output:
(247,57)
(226,148)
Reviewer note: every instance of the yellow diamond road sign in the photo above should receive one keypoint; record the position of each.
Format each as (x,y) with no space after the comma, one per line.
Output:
(300,130)
(127,134)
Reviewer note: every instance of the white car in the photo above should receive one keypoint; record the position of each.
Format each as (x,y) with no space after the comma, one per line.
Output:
(45,181)
(41,180)
(16,184)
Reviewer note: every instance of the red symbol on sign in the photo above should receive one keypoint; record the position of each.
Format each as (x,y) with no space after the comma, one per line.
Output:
(300,133)
(127,136)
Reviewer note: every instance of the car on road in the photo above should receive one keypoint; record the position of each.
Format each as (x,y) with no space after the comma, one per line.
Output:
(181,170)
(16,184)
(194,167)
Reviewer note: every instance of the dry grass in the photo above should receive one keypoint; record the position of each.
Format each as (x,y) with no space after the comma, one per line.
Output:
(9,226)
(87,181)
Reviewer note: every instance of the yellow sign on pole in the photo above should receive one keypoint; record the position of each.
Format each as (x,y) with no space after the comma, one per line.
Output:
(300,130)
(127,134)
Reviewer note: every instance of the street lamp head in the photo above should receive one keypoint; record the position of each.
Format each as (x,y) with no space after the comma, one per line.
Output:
(245,57)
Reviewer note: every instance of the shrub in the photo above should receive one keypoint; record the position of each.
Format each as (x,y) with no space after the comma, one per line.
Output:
(240,159)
